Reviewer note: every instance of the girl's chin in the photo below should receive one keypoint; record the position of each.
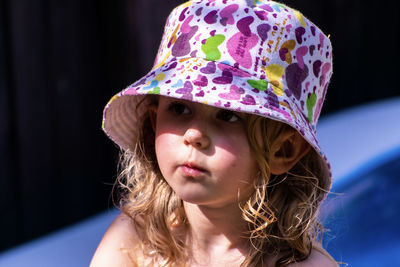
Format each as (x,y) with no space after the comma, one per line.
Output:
(196,198)
(205,201)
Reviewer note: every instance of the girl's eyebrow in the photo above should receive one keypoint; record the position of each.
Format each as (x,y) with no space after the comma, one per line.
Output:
(178,102)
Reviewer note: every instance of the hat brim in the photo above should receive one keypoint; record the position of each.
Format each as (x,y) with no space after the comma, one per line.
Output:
(211,83)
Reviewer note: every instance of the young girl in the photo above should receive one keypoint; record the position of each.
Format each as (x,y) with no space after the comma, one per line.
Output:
(221,165)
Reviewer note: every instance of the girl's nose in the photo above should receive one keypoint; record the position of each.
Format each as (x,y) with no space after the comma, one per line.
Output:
(197,138)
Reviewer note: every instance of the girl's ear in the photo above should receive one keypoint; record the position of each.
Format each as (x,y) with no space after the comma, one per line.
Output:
(287,150)
(152,110)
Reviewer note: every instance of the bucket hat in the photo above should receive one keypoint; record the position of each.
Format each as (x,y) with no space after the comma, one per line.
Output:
(254,56)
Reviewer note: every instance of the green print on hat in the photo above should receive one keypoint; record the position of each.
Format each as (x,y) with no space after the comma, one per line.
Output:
(311,100)
(156,91)
(210,48)
(261,85)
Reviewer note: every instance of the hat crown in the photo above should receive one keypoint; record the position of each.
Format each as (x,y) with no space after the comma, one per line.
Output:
(270,41)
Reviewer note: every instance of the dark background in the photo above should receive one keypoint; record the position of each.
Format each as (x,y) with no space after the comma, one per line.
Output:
(61,61)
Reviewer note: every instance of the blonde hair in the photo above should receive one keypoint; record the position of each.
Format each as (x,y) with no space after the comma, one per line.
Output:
(281,213)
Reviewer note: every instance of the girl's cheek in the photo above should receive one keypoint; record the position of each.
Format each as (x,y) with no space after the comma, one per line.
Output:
(234,145)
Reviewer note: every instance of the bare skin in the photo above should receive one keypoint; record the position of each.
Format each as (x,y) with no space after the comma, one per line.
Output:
(121,235)
(214,242)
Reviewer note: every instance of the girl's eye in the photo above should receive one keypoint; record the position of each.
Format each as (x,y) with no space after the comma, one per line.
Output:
(178,109)
(228,116)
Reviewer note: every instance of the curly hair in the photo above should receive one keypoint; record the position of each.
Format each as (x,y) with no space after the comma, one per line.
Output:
(281,213)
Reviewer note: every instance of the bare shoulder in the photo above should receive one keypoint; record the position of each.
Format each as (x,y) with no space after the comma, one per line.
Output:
(113,249)
(319,257)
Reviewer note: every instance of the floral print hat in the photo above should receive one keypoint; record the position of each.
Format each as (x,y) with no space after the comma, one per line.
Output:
(254,56)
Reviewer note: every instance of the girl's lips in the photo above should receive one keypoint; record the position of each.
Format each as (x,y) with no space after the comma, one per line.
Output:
(192,170)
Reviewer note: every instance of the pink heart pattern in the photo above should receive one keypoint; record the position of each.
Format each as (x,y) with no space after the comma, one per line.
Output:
(201,81)
(234,93)
(225,78)
(227,14)
(239,47)
(186,91)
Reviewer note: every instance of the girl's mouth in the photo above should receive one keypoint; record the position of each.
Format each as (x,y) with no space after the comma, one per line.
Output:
(191,170)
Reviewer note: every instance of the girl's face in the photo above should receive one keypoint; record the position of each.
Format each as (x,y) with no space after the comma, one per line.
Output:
(203,152)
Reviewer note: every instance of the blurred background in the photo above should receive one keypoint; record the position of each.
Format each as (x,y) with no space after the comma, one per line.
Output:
(61,61)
